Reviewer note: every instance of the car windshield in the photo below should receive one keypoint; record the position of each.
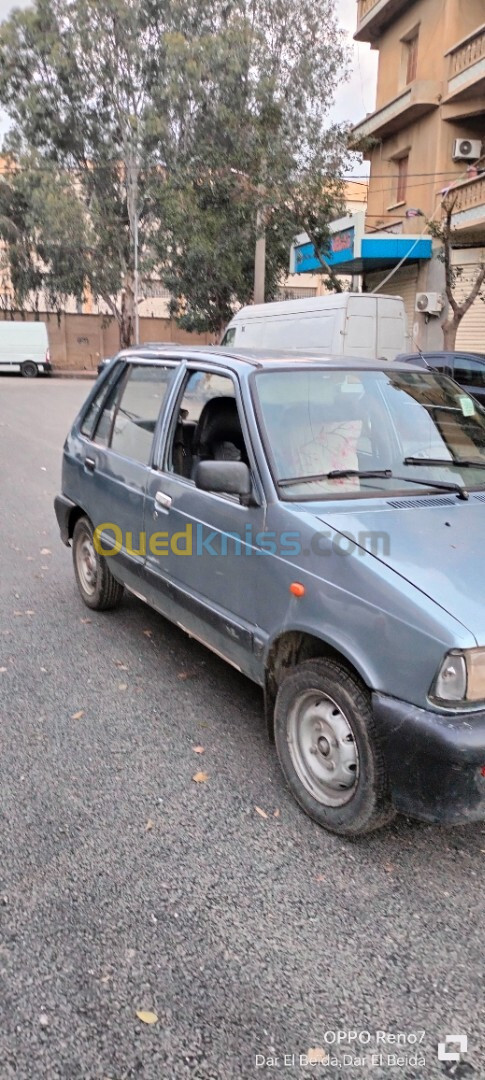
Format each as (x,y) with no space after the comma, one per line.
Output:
(360,432)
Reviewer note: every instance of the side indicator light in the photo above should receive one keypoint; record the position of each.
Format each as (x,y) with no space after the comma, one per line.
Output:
(482,770)
(296,589)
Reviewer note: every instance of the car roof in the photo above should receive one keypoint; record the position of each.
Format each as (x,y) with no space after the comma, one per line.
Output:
(257,358)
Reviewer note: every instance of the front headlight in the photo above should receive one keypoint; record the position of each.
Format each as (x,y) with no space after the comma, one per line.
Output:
(461,677)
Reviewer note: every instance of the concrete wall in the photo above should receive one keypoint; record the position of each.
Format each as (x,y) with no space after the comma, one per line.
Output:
(78,342)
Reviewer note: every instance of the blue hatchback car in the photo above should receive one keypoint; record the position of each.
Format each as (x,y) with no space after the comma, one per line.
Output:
(320,524)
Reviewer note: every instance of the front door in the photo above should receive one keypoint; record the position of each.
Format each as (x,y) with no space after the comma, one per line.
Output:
(202,548)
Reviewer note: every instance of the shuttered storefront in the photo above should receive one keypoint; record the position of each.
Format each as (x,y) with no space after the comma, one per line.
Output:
(471,331)
(403,284)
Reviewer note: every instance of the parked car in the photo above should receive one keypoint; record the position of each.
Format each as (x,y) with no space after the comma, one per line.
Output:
(320,524)
(24,348)
(345,324)
(467,368)
(104,363)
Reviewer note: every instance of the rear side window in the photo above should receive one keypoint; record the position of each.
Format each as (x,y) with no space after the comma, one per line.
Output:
(136,414)
(88,426)
(469,372)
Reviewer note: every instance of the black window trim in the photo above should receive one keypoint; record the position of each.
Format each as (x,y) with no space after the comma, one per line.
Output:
(112,380)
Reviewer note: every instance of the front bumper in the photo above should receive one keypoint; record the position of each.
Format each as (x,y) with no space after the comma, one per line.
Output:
(434,760)
(63,508)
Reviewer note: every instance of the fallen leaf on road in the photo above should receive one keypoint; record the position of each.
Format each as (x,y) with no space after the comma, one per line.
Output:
(147,1017)
(78,715)
(148,633)
(17,613)
(121,665)
(389,868)
(319,877)
(86,620)
(30,558)
(276,813)
(122,686)
(29,612)
(183,675)
(315,1055)
(149,825)
(198,749)
(200,777)
(45,551)
(105,978)
(3,669)
(262,813)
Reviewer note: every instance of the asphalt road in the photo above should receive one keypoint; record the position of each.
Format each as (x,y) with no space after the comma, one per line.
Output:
(125,886)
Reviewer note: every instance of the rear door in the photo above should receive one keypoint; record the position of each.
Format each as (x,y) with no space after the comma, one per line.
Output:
(359,334)
(115,462)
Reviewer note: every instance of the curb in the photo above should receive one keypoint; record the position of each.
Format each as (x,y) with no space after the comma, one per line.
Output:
(59,373)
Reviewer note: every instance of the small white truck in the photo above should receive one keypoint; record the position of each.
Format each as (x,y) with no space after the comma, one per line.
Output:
(24,348)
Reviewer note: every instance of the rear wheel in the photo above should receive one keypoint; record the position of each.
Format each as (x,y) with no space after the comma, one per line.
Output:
(329,749)
(29,370)
(99,589)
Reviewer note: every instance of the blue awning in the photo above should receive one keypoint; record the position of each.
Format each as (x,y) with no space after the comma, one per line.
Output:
(355,252)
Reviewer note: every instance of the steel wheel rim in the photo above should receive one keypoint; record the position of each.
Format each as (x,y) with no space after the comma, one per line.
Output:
(86,564)
(322,748)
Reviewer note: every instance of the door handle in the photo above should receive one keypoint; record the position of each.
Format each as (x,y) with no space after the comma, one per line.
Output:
(89,464)
(162,500)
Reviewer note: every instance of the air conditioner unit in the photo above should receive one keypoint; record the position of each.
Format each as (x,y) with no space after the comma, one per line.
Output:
(429,303)
(467,149)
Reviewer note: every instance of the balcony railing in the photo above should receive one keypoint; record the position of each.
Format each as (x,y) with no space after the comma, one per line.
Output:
(468,53)
(468,198)
(466,74)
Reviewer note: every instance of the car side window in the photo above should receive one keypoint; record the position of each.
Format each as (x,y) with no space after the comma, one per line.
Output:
(136,414)
(208,425)
(469,372)
(88,425)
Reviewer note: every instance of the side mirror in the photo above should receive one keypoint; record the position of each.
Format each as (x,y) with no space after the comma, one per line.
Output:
(224,477)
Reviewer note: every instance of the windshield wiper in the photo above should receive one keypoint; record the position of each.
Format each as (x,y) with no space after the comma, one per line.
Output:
(386,474)
(336,474)
(438,462)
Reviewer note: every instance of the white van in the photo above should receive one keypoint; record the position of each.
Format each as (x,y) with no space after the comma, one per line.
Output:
(24,347)
(344,324)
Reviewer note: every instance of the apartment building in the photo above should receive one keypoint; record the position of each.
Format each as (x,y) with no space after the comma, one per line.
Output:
(427,135)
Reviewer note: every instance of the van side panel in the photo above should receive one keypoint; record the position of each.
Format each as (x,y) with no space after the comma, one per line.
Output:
(21,341)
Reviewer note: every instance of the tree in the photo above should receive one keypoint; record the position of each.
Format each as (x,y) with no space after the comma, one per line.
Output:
(250,149)
(173,122)
(444,232)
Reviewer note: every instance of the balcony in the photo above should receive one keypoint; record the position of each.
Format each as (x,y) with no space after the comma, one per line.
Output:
(415,101)
(466,76)
(374,15)
(469,206)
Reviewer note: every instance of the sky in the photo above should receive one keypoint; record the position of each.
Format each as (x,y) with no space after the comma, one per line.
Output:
(353,100)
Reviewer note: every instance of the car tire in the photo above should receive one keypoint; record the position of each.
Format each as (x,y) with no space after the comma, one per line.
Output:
(99,589)
(29,370)
(329,749)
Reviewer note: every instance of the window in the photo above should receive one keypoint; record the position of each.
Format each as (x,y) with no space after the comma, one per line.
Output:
(402,178)
(469,372)
(136,415)
(229,336)
(412,58)
(208,427)
(88,425)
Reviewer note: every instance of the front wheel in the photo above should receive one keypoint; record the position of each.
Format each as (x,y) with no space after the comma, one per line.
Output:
(329,750)
(29,370)
(99,589)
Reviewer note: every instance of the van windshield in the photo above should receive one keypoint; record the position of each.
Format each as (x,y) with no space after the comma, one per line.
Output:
(355,433)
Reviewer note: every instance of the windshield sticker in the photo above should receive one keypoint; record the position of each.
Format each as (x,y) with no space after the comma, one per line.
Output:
(467,406)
